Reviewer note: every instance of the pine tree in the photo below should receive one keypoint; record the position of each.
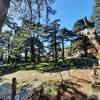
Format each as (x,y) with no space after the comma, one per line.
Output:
(96,15)
(53,39)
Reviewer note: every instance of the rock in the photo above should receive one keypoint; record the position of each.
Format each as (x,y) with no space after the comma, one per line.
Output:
(25,93)
(5,91)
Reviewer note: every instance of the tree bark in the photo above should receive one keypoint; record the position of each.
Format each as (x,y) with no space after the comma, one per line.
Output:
(63,53)
(55,47)
(32,51)
(8,59)
(39,59)
(14,83)
(26,53)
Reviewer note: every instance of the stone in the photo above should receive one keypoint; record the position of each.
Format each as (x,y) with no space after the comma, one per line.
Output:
(5,91)
(25,93)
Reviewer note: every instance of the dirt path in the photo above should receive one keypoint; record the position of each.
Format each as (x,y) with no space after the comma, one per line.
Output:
(78,81)
(30,76)
(79,76)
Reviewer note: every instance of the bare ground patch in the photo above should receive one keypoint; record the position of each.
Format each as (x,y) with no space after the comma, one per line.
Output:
(77,84)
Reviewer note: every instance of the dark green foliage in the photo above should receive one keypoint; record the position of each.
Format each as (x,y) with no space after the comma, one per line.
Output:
(81,43)
(96,15)
(78,26)
(53,37)
(43,98)
(65,35)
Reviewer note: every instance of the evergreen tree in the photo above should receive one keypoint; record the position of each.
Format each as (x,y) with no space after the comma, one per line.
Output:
(65,35)
(96,15)
(53,37)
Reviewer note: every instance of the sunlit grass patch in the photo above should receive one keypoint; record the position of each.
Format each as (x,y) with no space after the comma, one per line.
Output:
(42,65)
(96,87)
(50,87)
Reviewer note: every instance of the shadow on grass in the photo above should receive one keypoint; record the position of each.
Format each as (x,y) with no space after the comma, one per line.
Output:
(73,63)
(11,68)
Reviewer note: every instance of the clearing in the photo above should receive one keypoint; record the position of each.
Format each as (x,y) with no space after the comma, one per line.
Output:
(78,81)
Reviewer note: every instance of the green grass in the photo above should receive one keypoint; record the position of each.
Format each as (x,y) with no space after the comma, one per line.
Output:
(51,87)
(44,65)
(22,85)
(27,67)
(37,66)
(8,66)
(96,88)
(74,63)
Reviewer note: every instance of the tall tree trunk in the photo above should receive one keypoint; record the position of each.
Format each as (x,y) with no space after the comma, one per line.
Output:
(70,54)
(8,59)
(55,47)
(2,60)
(39,59)
(18,58)
(85,46)
(26,53)
(32,51)
(53,56)
(63,53)
(4,6)
(85,51)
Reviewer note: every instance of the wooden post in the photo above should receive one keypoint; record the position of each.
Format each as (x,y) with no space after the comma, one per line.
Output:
(14,82)
(95,71)
(60,94)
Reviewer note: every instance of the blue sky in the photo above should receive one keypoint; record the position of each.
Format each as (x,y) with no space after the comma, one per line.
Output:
(71,10)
